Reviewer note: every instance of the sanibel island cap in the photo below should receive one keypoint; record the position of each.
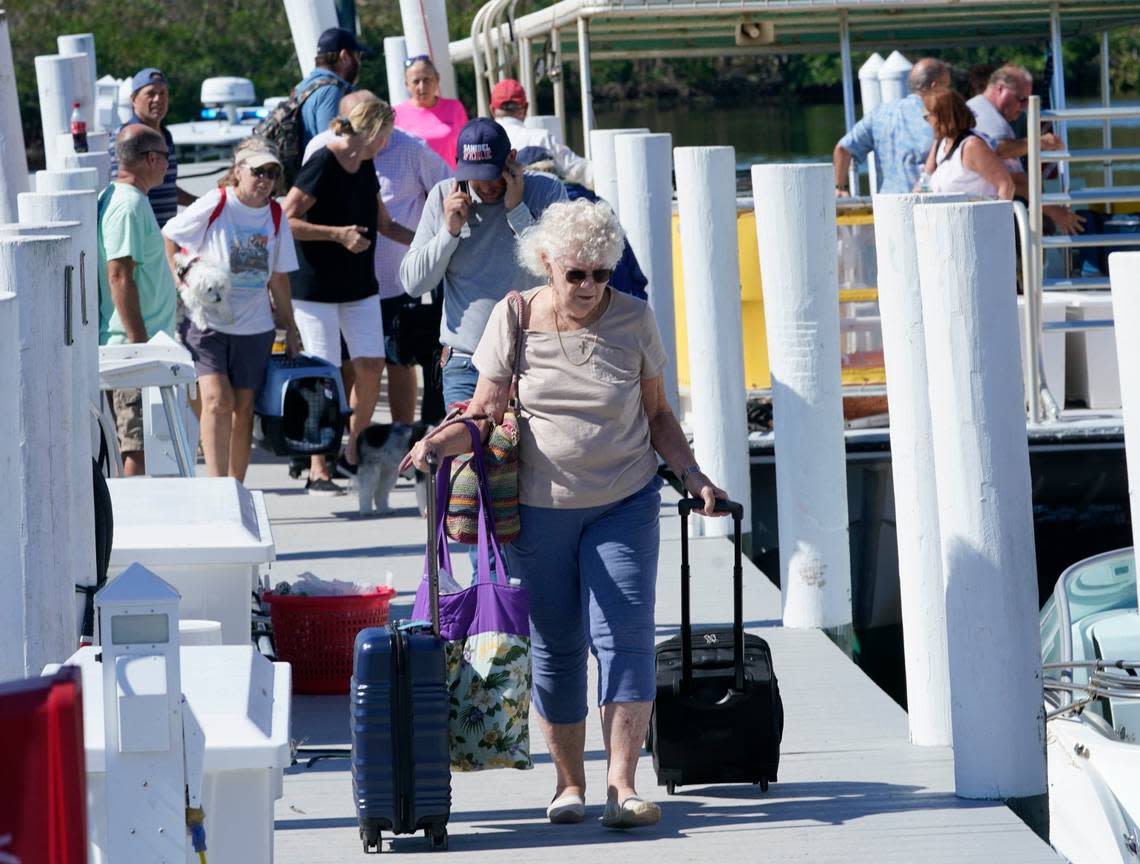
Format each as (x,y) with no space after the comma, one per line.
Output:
(508,90)
(146,76)
(337,39)
(482,150)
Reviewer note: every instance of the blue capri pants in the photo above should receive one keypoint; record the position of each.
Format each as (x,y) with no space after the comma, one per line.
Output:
(591,574)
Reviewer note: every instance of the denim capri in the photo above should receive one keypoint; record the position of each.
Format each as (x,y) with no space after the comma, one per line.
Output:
(591,574)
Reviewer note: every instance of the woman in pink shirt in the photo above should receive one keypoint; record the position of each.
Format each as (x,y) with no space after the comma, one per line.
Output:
(428,115)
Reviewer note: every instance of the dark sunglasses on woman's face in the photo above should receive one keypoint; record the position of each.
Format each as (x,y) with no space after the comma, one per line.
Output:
(266,172)
(577,277)
(412,61)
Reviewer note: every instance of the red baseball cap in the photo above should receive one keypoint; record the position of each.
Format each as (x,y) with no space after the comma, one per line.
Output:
(508,90)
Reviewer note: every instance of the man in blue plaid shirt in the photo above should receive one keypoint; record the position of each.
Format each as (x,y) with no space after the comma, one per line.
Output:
(896,131)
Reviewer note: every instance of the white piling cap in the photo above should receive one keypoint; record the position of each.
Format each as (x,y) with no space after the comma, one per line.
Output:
(895,66)
(870,69)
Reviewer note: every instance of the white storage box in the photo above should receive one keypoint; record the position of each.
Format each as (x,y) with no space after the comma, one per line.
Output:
(207,536)
(1053,308)
(242,703)
(1094,375)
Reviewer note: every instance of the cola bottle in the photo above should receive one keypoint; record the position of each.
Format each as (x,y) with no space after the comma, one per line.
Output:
(78,129)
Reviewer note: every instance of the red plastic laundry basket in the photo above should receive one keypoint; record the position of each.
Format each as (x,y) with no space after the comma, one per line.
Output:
(317,634)
(43,798)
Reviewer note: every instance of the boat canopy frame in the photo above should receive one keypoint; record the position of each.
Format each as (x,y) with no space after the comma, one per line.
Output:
(585,30)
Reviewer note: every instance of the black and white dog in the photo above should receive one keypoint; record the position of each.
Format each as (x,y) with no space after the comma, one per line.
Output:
(379,449)
(205,290)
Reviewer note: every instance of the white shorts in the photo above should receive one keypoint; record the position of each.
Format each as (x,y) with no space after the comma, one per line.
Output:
(322,325)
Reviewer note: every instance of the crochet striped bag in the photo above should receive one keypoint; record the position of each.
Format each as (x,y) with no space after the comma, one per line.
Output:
(500,463)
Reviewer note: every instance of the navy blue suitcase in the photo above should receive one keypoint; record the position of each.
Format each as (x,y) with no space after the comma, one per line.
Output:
(401,770)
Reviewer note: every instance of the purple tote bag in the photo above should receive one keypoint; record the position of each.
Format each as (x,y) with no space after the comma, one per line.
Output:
(487,631)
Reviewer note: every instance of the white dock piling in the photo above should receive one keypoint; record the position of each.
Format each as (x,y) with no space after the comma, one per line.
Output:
(62,80)
(795,230)
(645,190)
(545,121)
(13,161)
(1124,273)
(82,43)
(71,412)
(981,461)
(80,179)
(308,19)
(37,575)
(870,95)
(706,199)
(892,77)
(425,29)
(395,53)
(11,503)
(604,162)
(921,586)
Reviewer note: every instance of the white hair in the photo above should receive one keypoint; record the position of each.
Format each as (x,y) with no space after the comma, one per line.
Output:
(581,230)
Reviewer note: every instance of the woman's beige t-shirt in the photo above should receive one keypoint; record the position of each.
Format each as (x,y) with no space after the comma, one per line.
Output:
(583,431)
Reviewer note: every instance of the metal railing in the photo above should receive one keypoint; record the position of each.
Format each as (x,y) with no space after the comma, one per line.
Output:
(1030,224)
(1102,684)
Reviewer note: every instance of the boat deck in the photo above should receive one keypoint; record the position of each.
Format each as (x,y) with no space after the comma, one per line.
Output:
(851,787)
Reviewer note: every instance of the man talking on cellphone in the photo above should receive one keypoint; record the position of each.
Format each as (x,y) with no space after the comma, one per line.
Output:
(466,240)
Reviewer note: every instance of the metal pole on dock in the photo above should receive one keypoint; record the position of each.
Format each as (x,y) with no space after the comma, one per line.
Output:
(558,82)
(604,161)
(966,267)
(1124,274)
(921,586)
(62,80)
(706,201)
(425,29)
(795,232)
(395,53)
(645,190)
(37,577)
(308,19)
(586,84)
(13,160)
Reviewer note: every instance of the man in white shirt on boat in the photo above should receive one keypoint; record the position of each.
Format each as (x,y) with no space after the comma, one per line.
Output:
(509,107)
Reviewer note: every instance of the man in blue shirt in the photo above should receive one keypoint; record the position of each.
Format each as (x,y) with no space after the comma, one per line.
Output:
(150,100)
(896,131)
(337,66)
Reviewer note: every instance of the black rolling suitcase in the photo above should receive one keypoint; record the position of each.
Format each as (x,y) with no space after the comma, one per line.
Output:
(718,717)
(401,772)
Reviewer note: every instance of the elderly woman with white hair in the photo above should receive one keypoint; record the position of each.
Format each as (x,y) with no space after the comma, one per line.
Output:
(592,412)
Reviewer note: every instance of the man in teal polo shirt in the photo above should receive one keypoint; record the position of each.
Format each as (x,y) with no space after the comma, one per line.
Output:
(136,289)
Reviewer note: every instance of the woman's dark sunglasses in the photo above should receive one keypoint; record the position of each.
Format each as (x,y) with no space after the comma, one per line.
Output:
(577,277)
(266,172)
(412,61)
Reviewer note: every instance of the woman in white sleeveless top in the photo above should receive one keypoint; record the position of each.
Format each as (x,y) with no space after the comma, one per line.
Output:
(961,161)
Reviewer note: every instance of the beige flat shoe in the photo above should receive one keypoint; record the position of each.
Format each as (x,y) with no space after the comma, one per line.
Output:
(566,809)
(633,812)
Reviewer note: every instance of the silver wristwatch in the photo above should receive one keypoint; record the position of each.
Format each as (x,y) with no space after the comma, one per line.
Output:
(692,469)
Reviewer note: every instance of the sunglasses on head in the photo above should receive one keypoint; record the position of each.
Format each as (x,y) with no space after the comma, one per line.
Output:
(266,172)
(412,61)
(577,277)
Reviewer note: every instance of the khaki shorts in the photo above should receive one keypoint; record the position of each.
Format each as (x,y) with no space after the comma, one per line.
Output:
(126,405)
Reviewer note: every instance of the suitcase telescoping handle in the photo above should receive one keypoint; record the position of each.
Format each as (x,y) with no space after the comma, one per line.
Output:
(685,506)
(433,541)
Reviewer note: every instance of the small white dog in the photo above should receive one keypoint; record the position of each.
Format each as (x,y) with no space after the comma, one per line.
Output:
(379,450)
(205,290)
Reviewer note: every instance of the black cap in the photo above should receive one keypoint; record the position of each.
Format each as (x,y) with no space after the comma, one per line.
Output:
(337,39)
(482,150)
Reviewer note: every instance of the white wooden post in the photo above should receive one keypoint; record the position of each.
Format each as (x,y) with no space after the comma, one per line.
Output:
(395,53)
(84,44)
(1124,273)
(892,77)
(981,462)
(645,190)
(75,508)
(870,95)
(604,162)
(921,586)
(706,199)
(68,181)
(795,230)
(12,526)
(61,81)
(308,19)
(39,565)
(425,30)
(13,161)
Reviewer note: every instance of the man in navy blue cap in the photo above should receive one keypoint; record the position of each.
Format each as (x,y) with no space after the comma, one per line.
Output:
(150,100)
(337,68)
(466,239)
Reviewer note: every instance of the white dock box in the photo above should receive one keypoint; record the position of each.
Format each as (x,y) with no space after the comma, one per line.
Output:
(1094,376)
(242,703)
(207,536)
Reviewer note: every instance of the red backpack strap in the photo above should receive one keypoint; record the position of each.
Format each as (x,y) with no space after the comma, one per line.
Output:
(217,210)
(275,211)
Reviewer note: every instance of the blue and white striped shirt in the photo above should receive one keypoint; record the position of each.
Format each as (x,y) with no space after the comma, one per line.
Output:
(164,197)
